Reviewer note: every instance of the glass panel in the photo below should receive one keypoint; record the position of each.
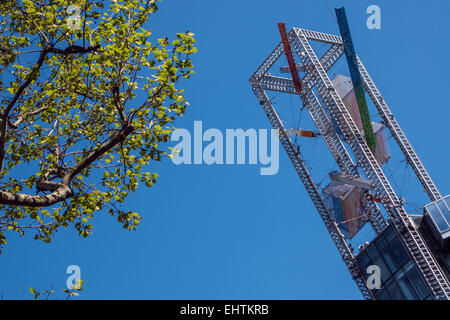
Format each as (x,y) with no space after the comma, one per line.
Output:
(444,211)
(382,294)
(447,200)
(337,206)
(394,290)
(437,217)
(446,257)
(364,261)
(401,256)
(405,286)
(416,281)
(388,256)
(378,260)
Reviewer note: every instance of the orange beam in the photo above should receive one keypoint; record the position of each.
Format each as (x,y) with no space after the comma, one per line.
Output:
(289,56)
(307,133)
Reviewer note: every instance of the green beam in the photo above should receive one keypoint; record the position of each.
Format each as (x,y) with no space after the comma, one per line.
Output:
(356,78)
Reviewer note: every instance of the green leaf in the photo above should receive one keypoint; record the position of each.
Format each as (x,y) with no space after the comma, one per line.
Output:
(78,105)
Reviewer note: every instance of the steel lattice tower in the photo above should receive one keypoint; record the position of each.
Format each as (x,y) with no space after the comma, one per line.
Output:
(318,88)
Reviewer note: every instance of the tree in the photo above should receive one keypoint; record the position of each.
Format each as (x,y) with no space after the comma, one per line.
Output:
(74,291)
(87,99)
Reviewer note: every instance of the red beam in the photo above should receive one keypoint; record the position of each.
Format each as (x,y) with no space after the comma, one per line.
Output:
(289,56)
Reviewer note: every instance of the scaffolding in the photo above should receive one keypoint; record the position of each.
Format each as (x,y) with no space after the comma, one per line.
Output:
(327,109)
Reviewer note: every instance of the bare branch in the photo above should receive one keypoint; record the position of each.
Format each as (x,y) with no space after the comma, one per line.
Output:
(62,191)
(20,199)
(5,114)
(19,120)
(115,139)
(75,49)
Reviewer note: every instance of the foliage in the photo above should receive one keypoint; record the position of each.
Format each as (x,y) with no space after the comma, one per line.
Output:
(45,294)
(86,102)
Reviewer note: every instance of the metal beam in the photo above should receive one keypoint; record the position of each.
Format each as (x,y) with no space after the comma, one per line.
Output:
(289,57)
(356,79)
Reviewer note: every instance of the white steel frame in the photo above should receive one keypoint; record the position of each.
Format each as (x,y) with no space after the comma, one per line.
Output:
(317,78)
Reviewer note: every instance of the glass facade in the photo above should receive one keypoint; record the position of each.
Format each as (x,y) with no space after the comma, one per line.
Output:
(400,280)
(439,211)
(439,251)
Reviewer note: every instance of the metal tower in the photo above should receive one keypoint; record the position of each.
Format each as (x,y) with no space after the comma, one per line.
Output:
(345,141)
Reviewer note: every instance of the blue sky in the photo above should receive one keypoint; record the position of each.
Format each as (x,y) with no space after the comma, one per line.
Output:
(226,232)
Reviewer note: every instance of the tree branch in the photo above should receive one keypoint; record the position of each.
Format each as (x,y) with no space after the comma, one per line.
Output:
(115,139)
(62,191)
(75,49)
(5,114)
(20,199)
(20,118)
(116,99)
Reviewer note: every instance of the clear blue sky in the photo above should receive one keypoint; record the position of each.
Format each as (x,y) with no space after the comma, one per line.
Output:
(225,232)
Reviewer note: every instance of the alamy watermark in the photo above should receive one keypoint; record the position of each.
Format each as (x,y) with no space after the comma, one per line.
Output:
(74,20)
(374,279)
(191,150)
(374,20)
(74,280)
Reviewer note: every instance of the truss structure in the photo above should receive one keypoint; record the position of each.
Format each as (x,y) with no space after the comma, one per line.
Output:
(316,84)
